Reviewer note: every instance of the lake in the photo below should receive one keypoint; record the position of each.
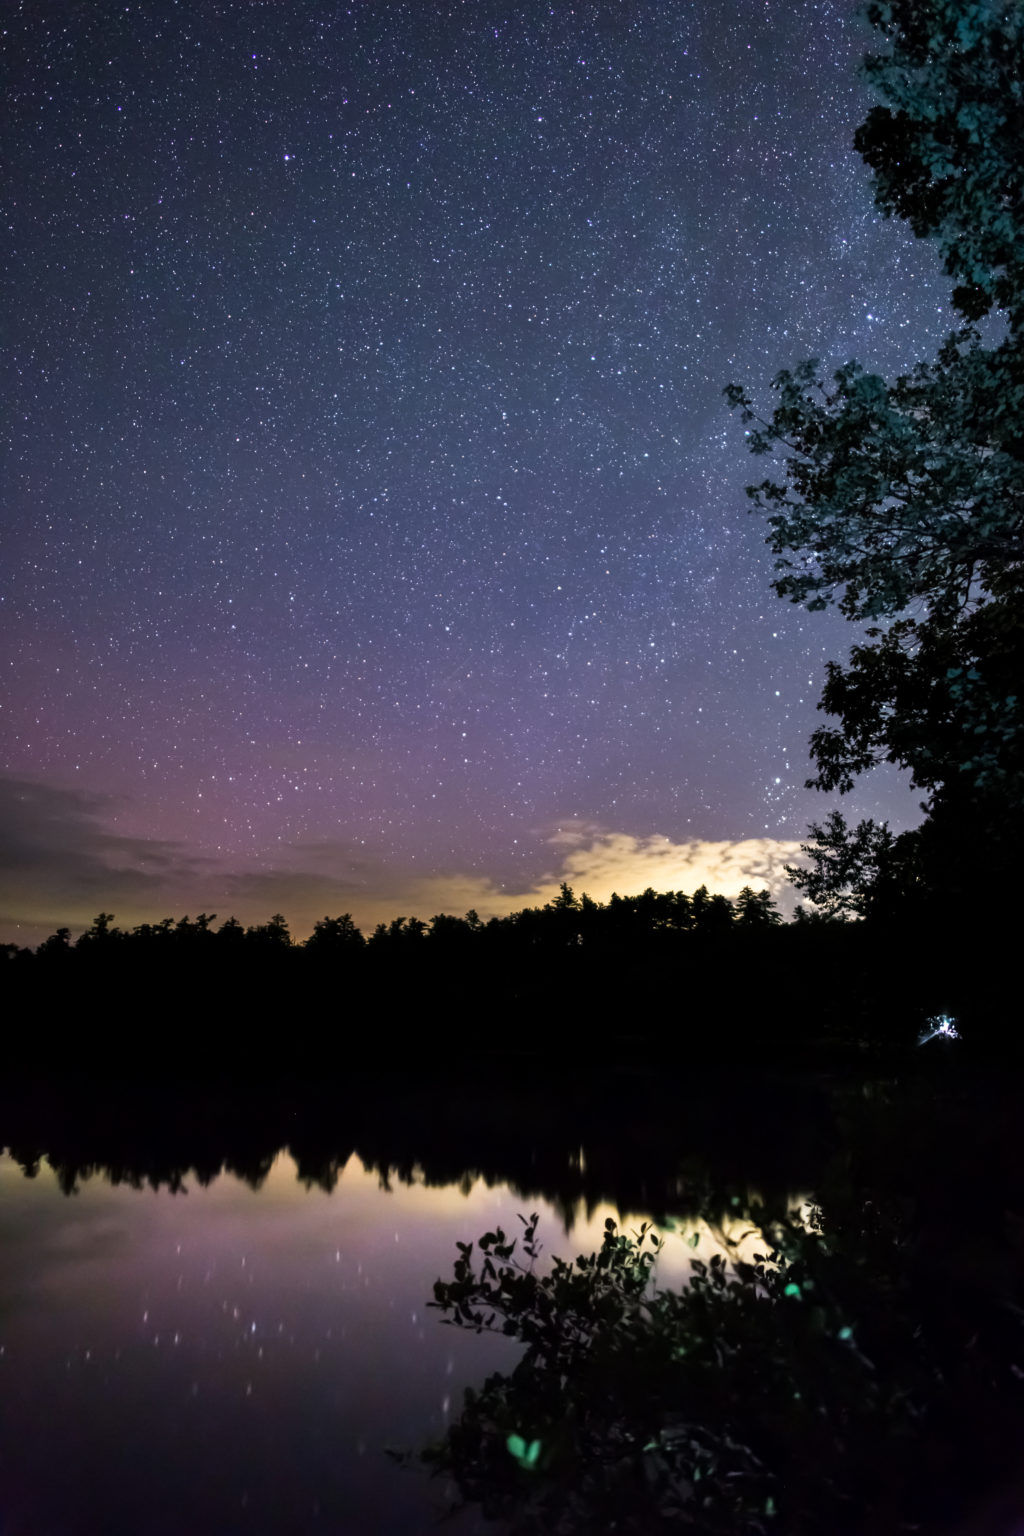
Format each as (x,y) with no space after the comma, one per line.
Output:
(213,1303)
(210,1355)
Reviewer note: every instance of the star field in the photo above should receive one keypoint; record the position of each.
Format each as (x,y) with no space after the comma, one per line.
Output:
(368,486)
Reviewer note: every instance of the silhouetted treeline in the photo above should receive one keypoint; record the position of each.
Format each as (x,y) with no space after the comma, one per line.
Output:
(676,976)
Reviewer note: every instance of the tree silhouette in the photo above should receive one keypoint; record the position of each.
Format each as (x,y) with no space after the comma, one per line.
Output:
(334,936)
(945,149)
(755,909)
(846,865)
(903,504)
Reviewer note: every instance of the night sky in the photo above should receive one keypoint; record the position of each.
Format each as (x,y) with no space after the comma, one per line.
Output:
(374,529)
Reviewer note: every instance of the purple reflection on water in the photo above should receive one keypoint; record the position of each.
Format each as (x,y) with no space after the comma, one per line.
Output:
(229,1359)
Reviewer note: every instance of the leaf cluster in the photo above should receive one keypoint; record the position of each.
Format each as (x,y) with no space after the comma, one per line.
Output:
(841,1381)
(945,145)
(893,495)
(747,1395)
(902,504)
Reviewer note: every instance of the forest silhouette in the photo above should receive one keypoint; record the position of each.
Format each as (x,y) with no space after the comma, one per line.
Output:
(669,976)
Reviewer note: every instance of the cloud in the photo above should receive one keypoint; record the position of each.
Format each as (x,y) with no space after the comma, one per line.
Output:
(588,858)
(61,863)
(603,862)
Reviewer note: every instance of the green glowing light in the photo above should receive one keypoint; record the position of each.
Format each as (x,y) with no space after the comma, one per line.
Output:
(526,1455)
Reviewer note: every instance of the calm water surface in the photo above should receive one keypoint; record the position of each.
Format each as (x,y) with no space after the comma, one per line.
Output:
(233,1359)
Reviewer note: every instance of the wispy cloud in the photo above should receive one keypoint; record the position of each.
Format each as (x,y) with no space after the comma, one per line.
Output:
(598,862)
(61,863)
(601,862)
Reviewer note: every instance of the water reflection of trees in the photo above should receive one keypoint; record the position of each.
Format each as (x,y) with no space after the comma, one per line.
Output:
(864,1375)
(661,1144)
(647,1144)
(919,1179)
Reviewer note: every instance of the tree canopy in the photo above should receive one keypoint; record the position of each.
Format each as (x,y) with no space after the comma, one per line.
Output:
(902,504)
(946,145)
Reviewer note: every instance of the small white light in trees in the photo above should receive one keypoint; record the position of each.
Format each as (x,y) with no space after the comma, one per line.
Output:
(942,1024)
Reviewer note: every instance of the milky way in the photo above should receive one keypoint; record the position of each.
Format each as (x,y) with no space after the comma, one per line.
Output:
(370,497)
